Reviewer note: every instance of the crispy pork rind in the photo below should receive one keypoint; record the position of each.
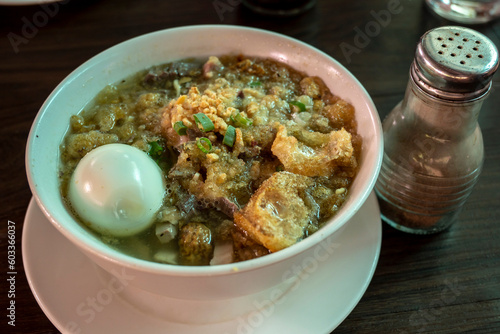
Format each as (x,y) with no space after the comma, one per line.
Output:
(277,215)
(316,155)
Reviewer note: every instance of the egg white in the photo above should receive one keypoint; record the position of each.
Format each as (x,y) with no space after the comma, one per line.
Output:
(117,189)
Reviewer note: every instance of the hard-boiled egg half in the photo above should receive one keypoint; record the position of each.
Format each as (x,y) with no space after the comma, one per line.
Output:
(117,190)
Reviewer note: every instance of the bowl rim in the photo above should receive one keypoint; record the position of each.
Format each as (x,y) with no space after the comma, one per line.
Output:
(100,250)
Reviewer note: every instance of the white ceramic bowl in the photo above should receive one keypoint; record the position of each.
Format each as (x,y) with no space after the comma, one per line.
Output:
(202,287)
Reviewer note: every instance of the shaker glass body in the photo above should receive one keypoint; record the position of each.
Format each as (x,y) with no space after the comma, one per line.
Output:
(433,157)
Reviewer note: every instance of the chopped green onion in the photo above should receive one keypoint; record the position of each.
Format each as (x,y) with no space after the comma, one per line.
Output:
(255,84)
(164,156)
(300,105)
(180,128)
(230,136)
(155,150)
(204,144)
(241,120)
(206,123)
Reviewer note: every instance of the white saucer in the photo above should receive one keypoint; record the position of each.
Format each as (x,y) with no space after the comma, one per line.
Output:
(71,294)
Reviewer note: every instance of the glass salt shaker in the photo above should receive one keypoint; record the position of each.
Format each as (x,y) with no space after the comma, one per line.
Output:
(434,150)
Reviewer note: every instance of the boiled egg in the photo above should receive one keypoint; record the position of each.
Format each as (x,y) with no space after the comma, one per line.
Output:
(117,189)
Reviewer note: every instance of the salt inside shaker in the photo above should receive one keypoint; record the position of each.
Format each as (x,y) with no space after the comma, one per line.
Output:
(433,147)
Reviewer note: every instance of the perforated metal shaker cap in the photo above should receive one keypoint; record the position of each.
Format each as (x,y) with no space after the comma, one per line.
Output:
(454,63)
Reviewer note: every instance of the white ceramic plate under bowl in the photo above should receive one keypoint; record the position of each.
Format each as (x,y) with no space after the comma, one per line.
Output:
(70,291)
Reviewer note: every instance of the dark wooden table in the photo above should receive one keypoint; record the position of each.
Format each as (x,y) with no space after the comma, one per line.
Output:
(445,283)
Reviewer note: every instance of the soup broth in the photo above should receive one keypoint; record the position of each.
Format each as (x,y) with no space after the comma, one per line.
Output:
(256,155)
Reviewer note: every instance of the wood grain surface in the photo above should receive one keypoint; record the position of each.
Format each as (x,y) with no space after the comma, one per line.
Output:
(445,283)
